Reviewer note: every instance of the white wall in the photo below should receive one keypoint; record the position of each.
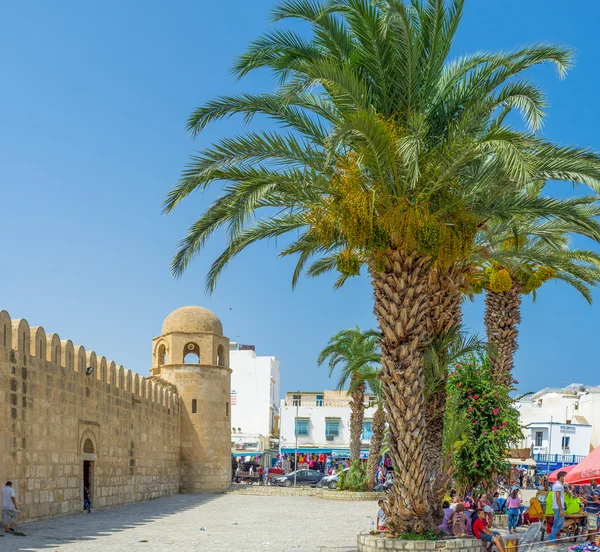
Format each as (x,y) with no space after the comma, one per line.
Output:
(255,380)
(552,408)
(552,438)
(317,416)
(589,407)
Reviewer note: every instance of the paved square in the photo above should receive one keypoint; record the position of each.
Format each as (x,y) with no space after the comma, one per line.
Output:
(233,523)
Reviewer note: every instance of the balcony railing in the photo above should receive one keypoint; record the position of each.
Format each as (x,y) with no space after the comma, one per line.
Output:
(343,403)
(566,458)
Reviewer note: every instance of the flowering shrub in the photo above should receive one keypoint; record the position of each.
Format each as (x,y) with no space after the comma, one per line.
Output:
(491,422)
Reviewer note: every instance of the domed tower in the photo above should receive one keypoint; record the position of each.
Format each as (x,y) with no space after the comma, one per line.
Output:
(192,354)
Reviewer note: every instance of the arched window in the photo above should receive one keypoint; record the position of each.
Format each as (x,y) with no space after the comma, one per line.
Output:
(191,354)
(88,446)
(220,356)
(161,355)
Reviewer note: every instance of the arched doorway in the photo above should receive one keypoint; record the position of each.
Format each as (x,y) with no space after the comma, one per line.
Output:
(88,456)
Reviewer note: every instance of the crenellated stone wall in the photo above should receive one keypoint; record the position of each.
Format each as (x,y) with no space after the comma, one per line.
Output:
(54,417)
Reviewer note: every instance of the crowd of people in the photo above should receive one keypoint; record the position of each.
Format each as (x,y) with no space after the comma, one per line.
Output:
(473,514)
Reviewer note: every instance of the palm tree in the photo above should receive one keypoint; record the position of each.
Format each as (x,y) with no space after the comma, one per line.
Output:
(536,251)
(353,351)
(371,376)
(441,354)
(390,157)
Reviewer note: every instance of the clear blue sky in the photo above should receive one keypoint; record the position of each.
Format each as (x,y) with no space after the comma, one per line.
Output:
(93,104)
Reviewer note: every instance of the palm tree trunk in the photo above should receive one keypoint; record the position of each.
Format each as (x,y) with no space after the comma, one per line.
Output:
(413,303)
(502,316)
(357,415)
(445,296)
(375,446)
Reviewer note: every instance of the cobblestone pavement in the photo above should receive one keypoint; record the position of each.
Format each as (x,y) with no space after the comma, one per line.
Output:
(233,523)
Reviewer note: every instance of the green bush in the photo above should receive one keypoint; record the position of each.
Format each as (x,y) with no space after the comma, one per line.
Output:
(427,535)
(355,479)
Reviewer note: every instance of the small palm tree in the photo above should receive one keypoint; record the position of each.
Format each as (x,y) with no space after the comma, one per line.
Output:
(371,376)
(353,351)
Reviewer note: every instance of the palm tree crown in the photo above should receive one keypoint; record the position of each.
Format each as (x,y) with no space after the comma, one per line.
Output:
(354,352)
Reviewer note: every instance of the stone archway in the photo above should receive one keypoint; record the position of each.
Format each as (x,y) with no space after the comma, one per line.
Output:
(88,458)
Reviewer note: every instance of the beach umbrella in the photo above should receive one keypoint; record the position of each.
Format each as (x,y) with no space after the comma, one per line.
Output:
(554,475)
(586,470)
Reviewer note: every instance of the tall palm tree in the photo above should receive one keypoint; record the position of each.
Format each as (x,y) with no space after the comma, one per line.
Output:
(353,351)
(390,157)
(537,251)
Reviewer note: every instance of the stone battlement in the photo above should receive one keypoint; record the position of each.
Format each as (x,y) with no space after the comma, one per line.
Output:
(20,341)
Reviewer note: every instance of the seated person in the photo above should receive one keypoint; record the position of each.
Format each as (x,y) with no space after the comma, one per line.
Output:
(534,512)
(497,502)
(445,527)
(481,532)
(381,517)
(459,521)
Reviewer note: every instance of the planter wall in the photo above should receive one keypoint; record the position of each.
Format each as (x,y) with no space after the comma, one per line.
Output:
(374,543)
(500,520)
(269,490)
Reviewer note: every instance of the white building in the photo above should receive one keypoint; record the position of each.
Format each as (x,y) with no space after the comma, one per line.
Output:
(254,401)
(561,425)
(322,422)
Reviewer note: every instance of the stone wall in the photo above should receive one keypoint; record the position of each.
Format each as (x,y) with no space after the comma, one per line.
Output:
(54,417)
(373,543)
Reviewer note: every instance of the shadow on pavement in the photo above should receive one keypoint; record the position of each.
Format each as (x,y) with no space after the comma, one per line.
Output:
(52,533)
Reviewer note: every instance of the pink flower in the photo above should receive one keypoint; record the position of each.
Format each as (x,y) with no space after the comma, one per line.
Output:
(470,409)
(504,423)
(458,384)
(476,397)
(515,381)
(475,422)
(469,391)
(458,366)
(494,428)
(496,411)
(475,464)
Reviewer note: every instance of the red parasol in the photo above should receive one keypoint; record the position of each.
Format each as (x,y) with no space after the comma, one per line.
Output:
(554,475)
(586,470)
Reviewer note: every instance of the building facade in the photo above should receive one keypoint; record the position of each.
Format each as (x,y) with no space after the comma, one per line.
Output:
(254,402)
(73,422)
(321,422)
(561,426)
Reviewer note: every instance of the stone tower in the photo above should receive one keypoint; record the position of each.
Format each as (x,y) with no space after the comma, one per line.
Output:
(193,355)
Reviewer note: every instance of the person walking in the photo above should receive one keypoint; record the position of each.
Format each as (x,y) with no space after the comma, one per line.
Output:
(558,506)
(513,504)
(9,508)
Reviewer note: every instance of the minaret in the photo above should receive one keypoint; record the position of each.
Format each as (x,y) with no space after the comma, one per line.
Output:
(193,355)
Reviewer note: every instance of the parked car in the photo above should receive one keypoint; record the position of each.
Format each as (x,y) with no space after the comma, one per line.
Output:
(303,477)
(330,481)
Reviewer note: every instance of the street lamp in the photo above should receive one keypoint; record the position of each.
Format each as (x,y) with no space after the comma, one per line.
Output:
(296,432)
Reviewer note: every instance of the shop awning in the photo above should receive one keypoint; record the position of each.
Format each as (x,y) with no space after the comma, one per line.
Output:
(304,450)
(529,462)
(248,453)
(586,470)
(345,453)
